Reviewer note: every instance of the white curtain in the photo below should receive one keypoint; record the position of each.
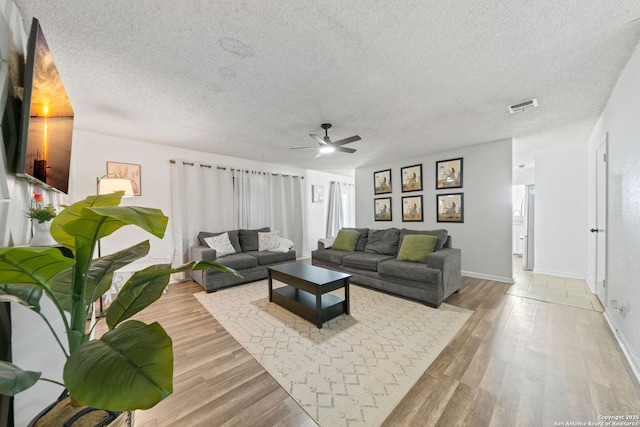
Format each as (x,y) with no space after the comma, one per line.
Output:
(341,207)
(201,200)
(285,195)
(269,200)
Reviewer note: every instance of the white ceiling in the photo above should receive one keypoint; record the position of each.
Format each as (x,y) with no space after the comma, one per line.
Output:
(252,79)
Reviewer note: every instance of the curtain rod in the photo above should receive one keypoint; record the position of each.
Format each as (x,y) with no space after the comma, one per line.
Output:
(233,170)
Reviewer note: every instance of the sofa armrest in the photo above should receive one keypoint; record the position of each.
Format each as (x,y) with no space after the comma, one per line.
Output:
(203,253)
(449,262)
(325,243)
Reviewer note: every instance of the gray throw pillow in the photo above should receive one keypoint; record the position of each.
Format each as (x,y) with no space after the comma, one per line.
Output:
(383,242)
(249,239)
(233,238)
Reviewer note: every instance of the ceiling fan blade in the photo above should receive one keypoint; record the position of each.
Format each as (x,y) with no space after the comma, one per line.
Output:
(345,149)
(317,139)
(320,153)
(303,148)
(347,140)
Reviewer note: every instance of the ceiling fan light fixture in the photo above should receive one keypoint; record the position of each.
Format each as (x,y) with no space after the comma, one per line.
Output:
(326,150)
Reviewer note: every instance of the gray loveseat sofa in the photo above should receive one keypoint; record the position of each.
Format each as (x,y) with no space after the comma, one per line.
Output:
(247,260)
(374,264)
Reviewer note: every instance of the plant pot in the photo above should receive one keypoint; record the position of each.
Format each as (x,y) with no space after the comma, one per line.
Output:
(62,414)
(42,234)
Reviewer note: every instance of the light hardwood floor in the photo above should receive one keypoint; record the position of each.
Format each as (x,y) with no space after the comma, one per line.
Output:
(516,362)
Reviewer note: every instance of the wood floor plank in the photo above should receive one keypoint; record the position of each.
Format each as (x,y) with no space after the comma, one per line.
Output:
(516,361)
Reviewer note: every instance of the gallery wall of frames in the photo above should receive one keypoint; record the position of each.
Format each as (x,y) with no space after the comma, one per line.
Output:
(449,205)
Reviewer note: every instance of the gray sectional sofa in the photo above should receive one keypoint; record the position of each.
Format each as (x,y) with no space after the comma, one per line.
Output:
(248,260)
(374,264)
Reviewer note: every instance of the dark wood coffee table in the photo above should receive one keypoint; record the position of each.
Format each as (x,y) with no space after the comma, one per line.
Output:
(306,293)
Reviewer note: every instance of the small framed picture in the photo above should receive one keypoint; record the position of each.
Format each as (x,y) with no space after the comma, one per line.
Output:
(126,171)
(450,207)
(317,194)
(449,173)
(411,178)
(382,209)
(412,209)
(382,182)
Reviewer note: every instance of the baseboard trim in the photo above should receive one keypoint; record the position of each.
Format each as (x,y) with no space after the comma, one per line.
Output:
(488,277)
(634,363)
(559,274)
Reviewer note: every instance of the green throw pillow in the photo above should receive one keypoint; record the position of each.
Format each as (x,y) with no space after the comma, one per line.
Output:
(346,240)
(416,247)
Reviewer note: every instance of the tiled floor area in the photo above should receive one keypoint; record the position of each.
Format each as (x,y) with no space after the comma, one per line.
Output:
(553,289)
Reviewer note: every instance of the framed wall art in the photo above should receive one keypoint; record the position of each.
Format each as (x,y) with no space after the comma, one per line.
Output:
(450,207)
(412,209)
(382,209)
(317,194)
(411,178)
(449,173)
(126,171)
(382,182)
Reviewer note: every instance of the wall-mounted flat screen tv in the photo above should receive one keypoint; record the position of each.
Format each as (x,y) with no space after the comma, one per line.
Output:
(46,127)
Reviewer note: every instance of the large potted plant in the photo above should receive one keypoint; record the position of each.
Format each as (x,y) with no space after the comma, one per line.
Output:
(131,366)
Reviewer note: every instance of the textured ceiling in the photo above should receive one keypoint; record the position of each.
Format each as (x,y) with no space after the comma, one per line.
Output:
(253,79)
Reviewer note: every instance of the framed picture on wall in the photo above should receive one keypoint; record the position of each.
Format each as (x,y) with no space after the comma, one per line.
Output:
(126,171)
(412,209)
(317,194)
(411,178)
(450,207)
(382,209)
(382,182)
(449,173)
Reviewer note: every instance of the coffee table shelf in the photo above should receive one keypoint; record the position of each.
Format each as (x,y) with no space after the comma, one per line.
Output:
(304,304)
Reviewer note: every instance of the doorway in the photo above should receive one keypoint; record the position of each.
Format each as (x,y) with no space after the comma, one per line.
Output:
(601,221)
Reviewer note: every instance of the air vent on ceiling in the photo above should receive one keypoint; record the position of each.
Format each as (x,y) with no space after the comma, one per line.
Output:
(523,106)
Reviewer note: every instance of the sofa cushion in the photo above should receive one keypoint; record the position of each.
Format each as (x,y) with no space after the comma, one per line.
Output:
(364,261)
(346,240)
(441,234)
(330,255)
(238,261)
(233,238)
(415,271)
(383,242)
(416,247)
(271,257)
(249,238)
(221,244)
(268,241)
(362,240)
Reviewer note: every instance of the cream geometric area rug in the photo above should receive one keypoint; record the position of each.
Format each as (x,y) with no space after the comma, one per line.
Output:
(353,371)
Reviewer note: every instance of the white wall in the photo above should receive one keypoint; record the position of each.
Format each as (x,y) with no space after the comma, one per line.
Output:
(621,120)
(485,236)
(91,151)
(316,213)
(561,229)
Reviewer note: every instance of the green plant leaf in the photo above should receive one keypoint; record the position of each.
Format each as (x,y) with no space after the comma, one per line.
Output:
(13,380)
(97,222)
(37,266)
(130,367)
(146,286)
(100,274)
(71,213)
(27,295)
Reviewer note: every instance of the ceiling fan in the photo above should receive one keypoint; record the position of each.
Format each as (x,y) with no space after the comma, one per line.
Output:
(326,146)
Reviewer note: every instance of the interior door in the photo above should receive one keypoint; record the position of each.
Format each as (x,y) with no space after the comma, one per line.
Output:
(601,222)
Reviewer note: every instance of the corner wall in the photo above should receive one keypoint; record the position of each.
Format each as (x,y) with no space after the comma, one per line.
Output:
(485,236)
